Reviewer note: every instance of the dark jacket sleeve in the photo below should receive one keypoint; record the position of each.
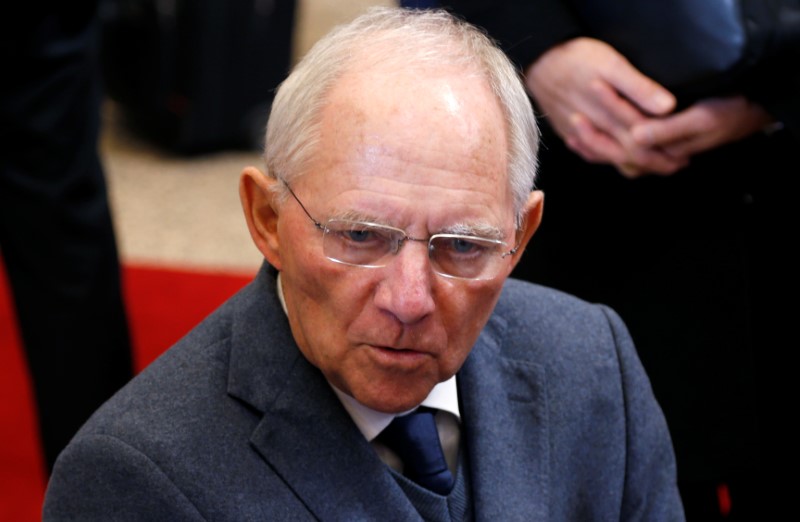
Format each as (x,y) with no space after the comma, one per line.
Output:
(776,87)
(524,29)
(100,477)
(650,490)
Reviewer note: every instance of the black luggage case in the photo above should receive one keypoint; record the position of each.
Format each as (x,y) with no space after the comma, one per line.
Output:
(196,75)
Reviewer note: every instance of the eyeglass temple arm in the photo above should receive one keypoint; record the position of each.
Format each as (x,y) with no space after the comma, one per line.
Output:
(316,223)
(514,250)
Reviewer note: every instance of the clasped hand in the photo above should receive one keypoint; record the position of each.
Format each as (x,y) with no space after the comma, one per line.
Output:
(608,112)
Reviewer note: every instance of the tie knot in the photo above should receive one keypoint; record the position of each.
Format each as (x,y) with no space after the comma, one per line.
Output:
(415,439)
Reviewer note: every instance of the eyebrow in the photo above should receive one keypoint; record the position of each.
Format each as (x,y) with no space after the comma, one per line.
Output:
(475,229)
(354,215)
(479,229)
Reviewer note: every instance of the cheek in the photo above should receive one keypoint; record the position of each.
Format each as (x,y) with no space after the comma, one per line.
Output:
(324,303)
(464,313)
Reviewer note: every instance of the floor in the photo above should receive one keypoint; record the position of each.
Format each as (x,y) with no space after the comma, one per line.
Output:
(185,211)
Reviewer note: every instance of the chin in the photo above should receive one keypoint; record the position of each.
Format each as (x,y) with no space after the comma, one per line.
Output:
(389,402)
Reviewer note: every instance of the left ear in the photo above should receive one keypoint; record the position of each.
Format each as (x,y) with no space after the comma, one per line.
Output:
(259,205)
(532,218)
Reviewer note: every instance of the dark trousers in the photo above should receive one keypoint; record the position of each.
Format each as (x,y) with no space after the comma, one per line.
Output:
(56,235)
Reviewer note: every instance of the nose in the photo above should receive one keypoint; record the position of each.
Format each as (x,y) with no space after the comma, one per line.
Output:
(406,290)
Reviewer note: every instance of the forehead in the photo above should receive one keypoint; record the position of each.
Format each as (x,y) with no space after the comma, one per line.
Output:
(428,134)
(442,106)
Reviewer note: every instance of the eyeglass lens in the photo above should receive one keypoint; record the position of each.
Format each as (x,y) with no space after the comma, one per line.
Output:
(370,245)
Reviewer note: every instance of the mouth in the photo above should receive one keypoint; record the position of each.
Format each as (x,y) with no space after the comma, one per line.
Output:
(397,357)
(396,350)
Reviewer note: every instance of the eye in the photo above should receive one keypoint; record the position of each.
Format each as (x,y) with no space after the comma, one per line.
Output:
(461,245)
(359,235)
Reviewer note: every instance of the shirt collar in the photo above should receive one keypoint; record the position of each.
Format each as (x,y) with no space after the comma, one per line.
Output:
(443,396)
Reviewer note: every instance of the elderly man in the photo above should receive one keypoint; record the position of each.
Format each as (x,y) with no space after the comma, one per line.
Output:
(400,157)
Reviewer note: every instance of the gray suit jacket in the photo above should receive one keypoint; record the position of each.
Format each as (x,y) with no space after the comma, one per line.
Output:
(232,423)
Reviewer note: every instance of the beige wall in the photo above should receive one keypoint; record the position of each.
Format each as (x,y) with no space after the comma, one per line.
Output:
(316,17)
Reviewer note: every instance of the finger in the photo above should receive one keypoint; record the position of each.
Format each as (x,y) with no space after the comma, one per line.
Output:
(665,132)
(600,147)
(688,147)
(614,113)
(660,133)
(594,144)
(577,147)
(629,170)
(657,161)
(647,94)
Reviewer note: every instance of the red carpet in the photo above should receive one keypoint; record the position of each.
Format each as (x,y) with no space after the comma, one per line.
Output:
(163,304)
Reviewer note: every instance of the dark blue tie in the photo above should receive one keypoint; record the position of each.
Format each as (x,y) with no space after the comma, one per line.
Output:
(416,441)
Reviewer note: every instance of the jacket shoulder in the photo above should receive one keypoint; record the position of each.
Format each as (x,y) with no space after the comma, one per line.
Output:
(543,311)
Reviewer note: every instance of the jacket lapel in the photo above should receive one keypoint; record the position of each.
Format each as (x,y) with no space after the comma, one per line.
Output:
(505,428)
(309,440)
(305,435)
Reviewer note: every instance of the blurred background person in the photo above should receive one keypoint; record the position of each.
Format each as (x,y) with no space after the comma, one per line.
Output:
(56,235)
(665,202)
